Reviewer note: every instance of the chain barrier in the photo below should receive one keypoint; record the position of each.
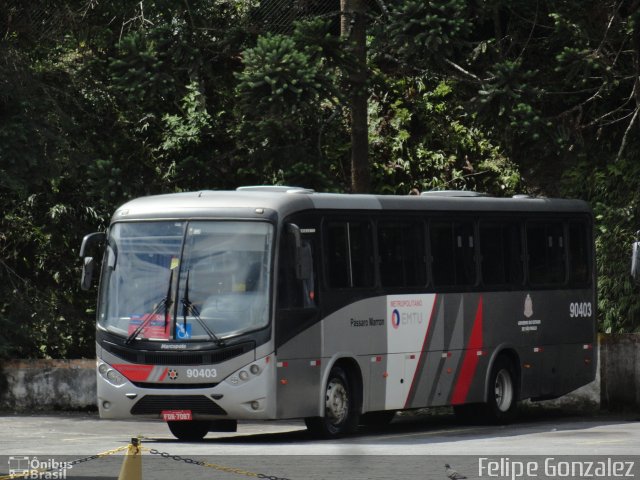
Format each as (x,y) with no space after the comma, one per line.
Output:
(31,472)
(215,466)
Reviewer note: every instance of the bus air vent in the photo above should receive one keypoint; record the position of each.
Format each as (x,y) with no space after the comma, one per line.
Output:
(453,193)
(152,358)
(275,188)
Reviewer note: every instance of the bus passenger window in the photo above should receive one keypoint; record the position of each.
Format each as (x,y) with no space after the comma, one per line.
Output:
(337,253)
(500,250)
(292,291)
(402,257)
(453,253)
(579,241)
(546,253)
(349,254)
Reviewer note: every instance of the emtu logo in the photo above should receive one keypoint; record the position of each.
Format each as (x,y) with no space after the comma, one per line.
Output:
(395,319)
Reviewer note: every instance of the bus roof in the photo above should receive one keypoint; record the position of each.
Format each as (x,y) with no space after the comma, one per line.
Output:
(257,202)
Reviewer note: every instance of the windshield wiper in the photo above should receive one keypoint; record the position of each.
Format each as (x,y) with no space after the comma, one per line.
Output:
(189,308)
(166,302)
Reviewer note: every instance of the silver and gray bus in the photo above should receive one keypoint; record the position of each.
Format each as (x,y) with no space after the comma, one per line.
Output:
(282,303)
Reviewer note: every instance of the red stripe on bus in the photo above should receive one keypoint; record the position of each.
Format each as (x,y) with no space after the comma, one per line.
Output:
(422,353)
(470,362)
(135,373)
(164,374)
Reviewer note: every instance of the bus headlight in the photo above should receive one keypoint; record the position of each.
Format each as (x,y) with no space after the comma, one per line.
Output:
(114,377)
(111,375)
(248,373)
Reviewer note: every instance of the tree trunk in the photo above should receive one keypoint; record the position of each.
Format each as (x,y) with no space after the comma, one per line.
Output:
(353,27)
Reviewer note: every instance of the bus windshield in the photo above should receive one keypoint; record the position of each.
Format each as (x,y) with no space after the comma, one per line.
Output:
(177,281)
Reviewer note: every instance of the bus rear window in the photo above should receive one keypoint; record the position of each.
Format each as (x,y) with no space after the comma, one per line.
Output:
(579,253)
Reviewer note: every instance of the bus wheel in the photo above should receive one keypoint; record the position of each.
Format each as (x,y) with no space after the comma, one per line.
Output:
(503,398)
(340,411)
(192,431)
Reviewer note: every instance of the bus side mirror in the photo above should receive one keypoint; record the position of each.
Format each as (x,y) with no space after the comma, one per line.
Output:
(88,243)
(303,259)
(635,262)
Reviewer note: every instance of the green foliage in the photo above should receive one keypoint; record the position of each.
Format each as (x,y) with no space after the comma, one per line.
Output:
(286,92)
(613,188)
(188,128)
(421,32)
(428,142)
(162,96)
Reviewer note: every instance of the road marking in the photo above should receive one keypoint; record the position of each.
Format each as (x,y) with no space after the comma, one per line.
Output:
(601,442)
(429,433)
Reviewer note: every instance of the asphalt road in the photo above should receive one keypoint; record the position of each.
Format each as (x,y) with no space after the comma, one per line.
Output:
(411,447)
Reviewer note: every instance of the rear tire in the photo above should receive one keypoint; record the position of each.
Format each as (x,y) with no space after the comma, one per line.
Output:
(502,400)
(191,431)
(340,409)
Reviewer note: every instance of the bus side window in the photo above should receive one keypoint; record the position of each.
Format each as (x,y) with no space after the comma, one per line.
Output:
(337,253)
(292,291)
(501,253)
(402,256)
(453,253)
(546,253)
(349,254)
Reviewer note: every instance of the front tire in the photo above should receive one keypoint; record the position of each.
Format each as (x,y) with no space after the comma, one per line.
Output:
(191,431)
(340,410)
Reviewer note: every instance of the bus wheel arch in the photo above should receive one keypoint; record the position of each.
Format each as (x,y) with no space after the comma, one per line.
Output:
(503,387)
(341,401)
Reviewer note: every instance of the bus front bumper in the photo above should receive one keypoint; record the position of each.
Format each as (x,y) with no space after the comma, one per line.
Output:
(248,393)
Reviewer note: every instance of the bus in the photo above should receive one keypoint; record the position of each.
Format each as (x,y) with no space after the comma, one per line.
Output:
(274,302)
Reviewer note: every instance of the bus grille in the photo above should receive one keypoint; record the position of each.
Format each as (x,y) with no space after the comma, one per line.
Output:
(174,386)
(177,358)
(155,404)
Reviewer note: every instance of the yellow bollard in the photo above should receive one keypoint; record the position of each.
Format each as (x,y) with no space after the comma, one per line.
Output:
(132,466)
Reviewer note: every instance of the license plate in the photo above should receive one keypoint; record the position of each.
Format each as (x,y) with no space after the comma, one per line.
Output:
(177,415)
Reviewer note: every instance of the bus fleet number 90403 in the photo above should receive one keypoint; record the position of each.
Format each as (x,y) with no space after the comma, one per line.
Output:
(580,310)
(202,373)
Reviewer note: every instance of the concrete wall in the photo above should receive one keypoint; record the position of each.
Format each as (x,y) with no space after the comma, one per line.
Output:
(71,384)
(27,385)
(620,371)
